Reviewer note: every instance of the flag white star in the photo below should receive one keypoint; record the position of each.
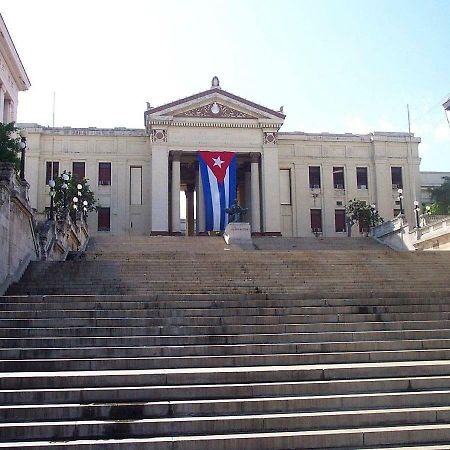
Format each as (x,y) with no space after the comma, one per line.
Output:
(218,162)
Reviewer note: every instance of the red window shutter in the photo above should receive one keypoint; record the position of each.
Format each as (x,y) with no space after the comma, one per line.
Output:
(103,219)
(104,174)
(339,220)
(316,220)
(78,170)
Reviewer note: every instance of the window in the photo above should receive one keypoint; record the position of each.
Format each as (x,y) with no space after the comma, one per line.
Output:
(135,185)
(339,220)
(103,219)
(285,187)
(316,220)
(51,170)
(314,177)
(396,176)
(338,178)
(361,177)
(78,170)
(104,174)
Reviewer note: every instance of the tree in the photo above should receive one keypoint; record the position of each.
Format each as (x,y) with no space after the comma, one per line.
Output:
(10,144)
(72,191)
(440,195)
(358,211)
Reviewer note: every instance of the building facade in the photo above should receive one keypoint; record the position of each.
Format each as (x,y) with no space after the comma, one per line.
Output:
(13,77)
(293,183)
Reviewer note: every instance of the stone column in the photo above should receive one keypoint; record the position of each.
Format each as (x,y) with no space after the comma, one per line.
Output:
(176,193)
(2,104)
(201,224)
(255,201)
(160,192)
(271,191)
(7,111)
(190,209)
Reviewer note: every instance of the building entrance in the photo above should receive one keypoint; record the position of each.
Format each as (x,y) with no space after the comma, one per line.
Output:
(185,168)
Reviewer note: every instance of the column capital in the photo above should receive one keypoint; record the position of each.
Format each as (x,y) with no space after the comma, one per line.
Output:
(175,155)
(255,157)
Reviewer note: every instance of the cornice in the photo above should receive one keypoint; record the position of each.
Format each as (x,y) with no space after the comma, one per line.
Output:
(243,123)
(376,136)
(12,58)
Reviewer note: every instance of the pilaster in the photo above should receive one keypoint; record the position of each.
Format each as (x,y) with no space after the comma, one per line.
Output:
(160,192)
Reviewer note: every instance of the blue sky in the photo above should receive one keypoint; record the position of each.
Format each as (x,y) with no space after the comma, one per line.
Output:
(336,66)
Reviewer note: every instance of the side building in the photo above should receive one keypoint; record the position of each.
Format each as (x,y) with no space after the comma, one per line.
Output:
(293,183)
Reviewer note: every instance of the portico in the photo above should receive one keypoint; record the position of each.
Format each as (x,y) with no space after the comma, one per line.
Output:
(184,176)
(213,120)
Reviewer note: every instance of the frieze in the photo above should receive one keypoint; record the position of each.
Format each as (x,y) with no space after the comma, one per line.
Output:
(159,135)
(216,110)
(270,137)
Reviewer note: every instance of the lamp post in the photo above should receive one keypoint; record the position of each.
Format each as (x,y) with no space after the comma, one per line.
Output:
(416,210)
(51,183)
(23,146)
(64,187)
(400,199)
(373,210)
(85,205)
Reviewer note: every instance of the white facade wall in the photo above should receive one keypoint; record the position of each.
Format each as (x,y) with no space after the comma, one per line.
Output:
(294,151)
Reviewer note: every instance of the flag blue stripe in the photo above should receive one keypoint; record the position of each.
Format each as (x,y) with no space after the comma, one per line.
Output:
(209,217)
(232,180)
(222,205)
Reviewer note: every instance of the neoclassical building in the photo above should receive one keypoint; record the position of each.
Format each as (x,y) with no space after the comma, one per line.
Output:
(293,183)
(13,77)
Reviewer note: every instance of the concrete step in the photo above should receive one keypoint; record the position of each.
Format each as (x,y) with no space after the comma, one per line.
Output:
(93,331)
(220,407)
(162,350)
(428,336)
(221,375)
(355,438)
(220,321)
(104,429)
(170,362)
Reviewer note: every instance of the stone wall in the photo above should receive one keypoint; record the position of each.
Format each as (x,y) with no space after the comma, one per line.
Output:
(18,245)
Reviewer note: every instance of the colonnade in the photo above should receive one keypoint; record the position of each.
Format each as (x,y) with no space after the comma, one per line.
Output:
(255,202)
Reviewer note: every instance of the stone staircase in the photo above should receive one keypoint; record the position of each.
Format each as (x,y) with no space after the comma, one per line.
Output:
(176,343)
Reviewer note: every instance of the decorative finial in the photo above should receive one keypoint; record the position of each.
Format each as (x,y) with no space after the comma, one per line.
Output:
(215,83)
(281,109)
(148,106)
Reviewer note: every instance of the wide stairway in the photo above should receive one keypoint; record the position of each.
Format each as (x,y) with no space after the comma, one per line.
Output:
(178,343)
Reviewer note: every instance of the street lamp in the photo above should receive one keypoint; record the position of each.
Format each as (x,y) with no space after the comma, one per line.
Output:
(416,210)
(400,199)
(51,183)
(85,204)
(373,211)
(64,187)
(23,146)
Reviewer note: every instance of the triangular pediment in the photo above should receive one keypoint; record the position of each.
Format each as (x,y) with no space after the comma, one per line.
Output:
(215,109)
(214,103)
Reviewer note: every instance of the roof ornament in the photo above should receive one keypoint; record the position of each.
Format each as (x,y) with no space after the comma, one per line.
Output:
(148,106)
(281,109)
(215,83)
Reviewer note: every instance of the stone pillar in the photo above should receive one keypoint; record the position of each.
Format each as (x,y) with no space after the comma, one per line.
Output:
(201,223)
(176,193)
(2,104)
(255,201)
(190,209)
(160,191)
(7,111)
(271,191)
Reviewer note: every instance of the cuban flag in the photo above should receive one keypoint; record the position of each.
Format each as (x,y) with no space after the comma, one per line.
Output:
(218,172)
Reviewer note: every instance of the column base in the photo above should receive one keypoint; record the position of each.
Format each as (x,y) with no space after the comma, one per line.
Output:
(202,233)
(257,233)
(176,233)
(271,233)
(160,233)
